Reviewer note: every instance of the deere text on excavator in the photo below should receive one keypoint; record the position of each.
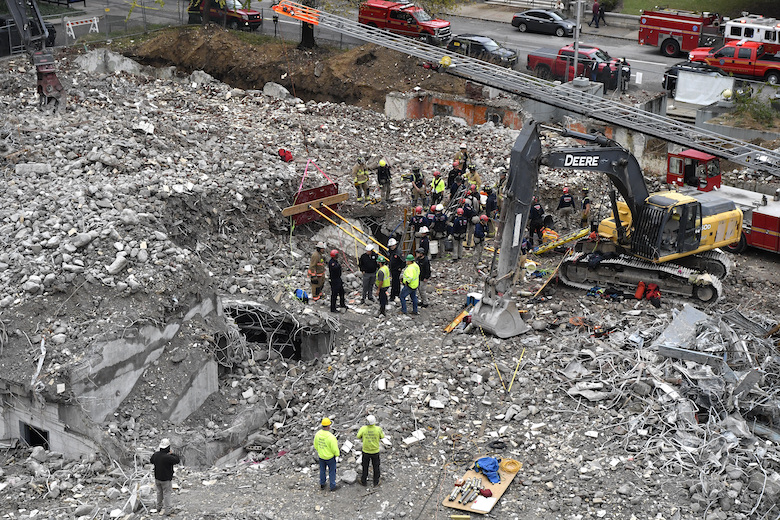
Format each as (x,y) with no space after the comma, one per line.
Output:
(667,238)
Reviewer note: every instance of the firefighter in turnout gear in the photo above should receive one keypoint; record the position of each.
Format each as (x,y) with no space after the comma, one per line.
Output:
(317,271)
(360,179)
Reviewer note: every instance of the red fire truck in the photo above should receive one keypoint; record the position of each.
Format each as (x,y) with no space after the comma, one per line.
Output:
(676,31)
(755,27)
(761,211)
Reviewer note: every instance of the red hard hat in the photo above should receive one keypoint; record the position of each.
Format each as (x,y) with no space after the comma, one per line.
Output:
(436,174)
(460,211)
(334,253)
(483,218)
(566,189)
(433,208)
(418,210)
(473,187)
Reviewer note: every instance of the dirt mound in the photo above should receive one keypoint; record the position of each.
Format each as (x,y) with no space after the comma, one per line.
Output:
(361,76)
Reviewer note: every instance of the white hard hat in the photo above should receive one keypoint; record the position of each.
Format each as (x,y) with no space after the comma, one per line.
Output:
(165,443)
(439,207)
(463,145)
(392,242)
(424,229)
(371,419)
(320,245)
(369,247)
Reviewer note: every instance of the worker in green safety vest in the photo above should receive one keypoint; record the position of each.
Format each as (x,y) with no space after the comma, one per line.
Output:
(382,283)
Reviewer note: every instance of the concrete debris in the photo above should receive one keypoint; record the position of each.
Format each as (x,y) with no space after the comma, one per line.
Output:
(144,224)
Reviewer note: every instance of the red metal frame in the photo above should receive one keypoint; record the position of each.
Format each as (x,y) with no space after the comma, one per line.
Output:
(314,194)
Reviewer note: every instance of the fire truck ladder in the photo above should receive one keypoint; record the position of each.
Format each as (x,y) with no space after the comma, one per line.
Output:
(514,82)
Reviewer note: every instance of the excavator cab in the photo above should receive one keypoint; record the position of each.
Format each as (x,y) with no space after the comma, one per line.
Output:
(669,226)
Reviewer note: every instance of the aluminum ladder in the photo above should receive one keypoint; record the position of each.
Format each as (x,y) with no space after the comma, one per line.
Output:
(561,96)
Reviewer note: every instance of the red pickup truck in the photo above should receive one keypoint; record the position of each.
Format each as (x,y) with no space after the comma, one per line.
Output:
(405,19)
(558,64)
(744,59)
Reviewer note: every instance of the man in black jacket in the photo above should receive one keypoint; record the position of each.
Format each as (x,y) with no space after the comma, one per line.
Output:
(425,275)
(368,266)
(163,461)
(336,285)
(397,265)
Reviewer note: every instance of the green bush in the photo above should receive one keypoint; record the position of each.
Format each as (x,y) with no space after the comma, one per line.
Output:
(749,105)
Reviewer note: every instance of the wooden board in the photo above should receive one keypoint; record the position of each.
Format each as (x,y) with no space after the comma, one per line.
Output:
(300,208)
(497,490)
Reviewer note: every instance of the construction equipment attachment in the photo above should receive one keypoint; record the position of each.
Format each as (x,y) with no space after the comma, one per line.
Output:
(496,313)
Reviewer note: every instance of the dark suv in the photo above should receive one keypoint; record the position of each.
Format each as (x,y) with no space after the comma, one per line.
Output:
(483,48)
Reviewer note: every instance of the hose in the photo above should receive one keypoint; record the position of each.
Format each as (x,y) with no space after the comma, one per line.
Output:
(510,465)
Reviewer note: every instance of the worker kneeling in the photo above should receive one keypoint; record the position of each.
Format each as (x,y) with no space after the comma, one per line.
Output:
(410,279)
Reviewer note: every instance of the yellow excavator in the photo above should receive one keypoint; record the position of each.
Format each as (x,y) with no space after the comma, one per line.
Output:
(667,238)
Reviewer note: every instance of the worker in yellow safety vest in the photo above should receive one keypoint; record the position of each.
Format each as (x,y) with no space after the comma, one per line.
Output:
(410,279)
(383,279)
(327,450)
(360,178)
(437,188)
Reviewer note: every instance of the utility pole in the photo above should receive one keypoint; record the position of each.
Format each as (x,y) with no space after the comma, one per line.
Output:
(577,36)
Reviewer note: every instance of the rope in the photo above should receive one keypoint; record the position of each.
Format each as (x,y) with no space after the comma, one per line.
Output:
(510,465)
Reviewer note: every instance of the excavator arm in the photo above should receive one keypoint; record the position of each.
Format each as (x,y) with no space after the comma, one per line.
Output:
(32,29)
(606,157)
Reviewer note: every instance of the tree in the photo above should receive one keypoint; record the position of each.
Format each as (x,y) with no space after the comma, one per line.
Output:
(307,29)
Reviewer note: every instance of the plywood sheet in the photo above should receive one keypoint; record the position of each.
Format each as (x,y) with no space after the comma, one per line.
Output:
(497,490)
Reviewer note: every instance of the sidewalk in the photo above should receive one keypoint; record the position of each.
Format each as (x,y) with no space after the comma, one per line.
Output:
(503,13)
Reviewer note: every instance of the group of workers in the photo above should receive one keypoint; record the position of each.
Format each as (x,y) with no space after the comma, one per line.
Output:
(541,226)
(327,446)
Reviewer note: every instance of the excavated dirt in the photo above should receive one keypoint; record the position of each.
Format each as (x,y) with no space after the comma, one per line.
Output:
(360,76)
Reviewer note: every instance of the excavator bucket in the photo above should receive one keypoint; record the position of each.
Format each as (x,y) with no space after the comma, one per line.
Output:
(499,317)
(497,314)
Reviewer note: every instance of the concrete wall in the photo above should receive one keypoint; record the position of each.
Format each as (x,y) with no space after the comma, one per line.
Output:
(427,105)
(102,381)
(63,438)
(202,383)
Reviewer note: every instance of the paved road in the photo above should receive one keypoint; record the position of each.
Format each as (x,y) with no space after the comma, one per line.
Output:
(647,64)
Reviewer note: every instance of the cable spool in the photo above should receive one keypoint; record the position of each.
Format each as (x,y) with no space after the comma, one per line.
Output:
(510,465)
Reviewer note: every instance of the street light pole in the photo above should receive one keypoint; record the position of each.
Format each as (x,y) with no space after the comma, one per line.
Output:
(577,37)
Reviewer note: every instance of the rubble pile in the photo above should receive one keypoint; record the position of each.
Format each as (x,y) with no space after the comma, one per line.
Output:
(147,189)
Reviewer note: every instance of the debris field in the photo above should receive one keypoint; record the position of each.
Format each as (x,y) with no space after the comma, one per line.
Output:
(152,190)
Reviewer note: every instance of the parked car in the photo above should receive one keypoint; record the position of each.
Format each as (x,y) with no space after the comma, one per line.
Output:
(483,48)
(670,76)
(235,14)
(541,21)
(558,64)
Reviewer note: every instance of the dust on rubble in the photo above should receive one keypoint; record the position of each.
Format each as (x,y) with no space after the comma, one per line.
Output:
(362,76)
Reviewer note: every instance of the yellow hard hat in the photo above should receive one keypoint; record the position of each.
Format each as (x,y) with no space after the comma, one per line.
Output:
(326,421)
(382,162)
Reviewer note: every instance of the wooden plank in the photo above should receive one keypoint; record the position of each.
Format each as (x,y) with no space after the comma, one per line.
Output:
(300,208)
(497,490)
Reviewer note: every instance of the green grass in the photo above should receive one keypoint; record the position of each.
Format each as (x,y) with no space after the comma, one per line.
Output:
(732,8)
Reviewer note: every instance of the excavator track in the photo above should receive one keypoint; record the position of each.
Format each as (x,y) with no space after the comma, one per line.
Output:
(626,272)
(715,262)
